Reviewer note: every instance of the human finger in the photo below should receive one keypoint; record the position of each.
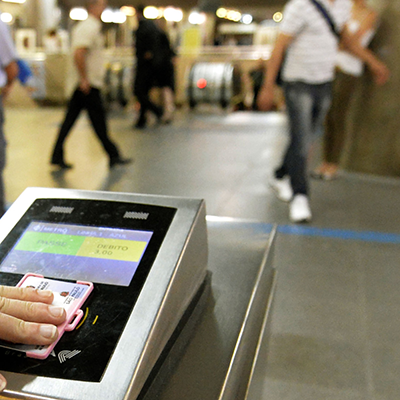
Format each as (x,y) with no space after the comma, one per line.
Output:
(3,383)
(26,294)
(16,330)
(32,311)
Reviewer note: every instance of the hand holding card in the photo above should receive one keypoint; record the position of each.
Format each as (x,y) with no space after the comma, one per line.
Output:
(66,295)
(27,316)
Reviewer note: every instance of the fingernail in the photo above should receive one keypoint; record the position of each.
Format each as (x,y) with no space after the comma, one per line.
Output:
(48,331)
(3,383)
(44,293)
(56,311)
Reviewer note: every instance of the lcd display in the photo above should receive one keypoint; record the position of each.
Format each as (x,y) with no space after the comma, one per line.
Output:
(65,251)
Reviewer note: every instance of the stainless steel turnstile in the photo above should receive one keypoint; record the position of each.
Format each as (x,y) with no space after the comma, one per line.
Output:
(199,337)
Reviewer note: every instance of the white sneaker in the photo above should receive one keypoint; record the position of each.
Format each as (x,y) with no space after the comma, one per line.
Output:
(299,209)
(282,188)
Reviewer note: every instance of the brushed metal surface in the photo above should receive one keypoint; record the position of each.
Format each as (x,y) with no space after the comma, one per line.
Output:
(240,261)
(11,395)
(239,372)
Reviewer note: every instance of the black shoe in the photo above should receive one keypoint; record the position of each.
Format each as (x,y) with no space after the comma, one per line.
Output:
(140,125)
(167,121)
(62,164)
(119,161)
(159,115)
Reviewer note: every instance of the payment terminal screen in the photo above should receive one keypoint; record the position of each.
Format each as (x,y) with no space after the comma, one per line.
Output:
(102,255)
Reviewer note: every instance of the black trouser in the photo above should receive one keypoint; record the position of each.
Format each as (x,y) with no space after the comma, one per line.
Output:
(143,83)
(93,104)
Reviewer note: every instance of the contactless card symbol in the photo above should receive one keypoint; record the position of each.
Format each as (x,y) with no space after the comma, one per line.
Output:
(65,355)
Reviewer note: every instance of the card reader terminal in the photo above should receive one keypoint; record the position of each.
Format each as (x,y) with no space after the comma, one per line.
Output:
(114,241)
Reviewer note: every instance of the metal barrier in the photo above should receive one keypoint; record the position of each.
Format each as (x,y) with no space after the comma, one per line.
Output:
(215,83)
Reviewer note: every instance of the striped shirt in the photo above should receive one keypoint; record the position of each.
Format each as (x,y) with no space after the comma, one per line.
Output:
(311,56)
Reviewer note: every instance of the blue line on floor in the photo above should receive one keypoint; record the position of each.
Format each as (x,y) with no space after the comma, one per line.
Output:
(306,230)
(390,238)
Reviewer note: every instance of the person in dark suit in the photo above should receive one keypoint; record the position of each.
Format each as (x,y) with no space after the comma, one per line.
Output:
(148,59)
(165,76)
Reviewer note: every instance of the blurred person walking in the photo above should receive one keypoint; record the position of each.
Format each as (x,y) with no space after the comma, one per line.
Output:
(308,41)
(147,40)
(349,69)
(87,47)
(8,73)
(257,79)
(165,76)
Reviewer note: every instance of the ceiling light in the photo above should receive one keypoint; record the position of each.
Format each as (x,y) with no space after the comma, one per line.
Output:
(277,17)
(173,14)
(196,18)
(247,19)
(78,14)
(128,11)
(15,1)
(150,12)
(222,12)
(6,17)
